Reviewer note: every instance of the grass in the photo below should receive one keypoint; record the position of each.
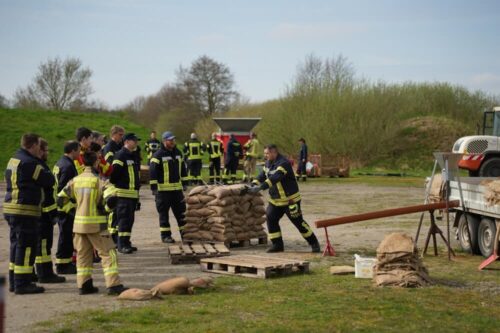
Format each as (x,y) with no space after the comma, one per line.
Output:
(56,127)
(463,300)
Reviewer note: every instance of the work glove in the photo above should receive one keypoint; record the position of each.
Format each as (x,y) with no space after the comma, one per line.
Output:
(155,192)
(254,189)
(138,206)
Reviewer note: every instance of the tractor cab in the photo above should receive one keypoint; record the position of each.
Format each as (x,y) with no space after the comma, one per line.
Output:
(481,153)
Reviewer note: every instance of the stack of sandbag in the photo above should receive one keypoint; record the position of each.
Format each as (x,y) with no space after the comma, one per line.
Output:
(492,192)
(398,263)
(436,191)
(222,214)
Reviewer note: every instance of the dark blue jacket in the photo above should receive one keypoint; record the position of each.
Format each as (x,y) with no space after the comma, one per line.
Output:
(26,178)
(167,170)
(279,178)
(125,175)
(234,150)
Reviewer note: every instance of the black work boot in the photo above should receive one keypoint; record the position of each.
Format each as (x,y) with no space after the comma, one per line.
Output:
(116,290)
(276,246)
(167,239)
(11,281)
(66,269)
(88,288)
(313,241)
(52,278)
(29,289)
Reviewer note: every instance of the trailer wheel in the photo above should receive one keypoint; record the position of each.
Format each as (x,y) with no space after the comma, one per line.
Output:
(463,235)
(490,168)
(486,236)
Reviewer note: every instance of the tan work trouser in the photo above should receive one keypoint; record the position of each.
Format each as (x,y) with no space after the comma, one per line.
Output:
(84,245)
(249,167)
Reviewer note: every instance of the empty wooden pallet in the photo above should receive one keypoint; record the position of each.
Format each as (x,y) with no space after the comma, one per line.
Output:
(253,266)
(192,253)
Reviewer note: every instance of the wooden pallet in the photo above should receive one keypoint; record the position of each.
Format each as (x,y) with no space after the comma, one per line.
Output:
(192,253)
(253,266)
(246,242)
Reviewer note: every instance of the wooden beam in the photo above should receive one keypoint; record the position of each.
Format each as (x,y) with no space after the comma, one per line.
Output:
(386,213)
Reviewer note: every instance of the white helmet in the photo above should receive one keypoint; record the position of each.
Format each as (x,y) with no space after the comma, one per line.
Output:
(193,136)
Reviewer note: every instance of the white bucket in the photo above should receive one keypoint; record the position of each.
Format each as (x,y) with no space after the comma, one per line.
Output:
(363,267)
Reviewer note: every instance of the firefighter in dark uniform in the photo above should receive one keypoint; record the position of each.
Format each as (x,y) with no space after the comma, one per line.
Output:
(43,259)
(301,166)
(193,150)
(115,144)
(233,153)
(125,177)
(152,145)
(284,198)
(64,171)
(110,149)
(215,151)
(168,180)
(25,178)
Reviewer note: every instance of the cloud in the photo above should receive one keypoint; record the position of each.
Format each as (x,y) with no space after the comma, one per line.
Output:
(290,31)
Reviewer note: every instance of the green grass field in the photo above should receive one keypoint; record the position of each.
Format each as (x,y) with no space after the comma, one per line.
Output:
(56,127)
(462,300)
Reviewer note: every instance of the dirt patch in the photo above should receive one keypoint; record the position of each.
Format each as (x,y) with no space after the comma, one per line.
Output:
(150,264)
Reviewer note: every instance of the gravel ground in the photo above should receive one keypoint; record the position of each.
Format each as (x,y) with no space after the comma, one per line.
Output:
(149,265)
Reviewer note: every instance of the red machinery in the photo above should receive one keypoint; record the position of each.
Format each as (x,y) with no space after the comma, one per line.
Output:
(240,127)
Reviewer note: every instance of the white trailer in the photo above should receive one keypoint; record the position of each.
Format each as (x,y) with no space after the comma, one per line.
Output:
(474,212)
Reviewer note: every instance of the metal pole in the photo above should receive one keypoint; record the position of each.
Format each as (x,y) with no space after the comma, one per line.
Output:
(386,213)
(447,194)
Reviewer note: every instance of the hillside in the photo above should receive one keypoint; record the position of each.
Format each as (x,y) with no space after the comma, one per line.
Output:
(56,127)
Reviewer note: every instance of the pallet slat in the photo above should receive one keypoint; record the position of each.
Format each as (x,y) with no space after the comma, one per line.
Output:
(192,253)
(253,266)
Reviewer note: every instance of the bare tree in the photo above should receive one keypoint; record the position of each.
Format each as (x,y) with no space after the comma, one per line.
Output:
(335,73)
(210,84)
(58,85)
(4,103)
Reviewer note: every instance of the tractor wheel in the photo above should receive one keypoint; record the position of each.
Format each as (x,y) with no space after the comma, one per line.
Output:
(486,236)
(463,235)
(490,168)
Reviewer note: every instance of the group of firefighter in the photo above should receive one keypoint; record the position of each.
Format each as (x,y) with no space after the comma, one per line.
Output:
(92,194)
(194,150)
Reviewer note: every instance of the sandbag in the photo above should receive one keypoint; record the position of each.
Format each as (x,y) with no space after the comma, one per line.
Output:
(220,192)
(193,200)
(198,190)
(202,282)
(396,242)
(135,294)
(174,286)
(227,201)
(259,209)
(222,211)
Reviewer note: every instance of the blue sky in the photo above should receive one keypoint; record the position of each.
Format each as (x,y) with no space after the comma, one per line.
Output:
(134,47)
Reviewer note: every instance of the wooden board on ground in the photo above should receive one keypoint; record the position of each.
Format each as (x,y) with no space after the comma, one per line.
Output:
(254,266)
(192,253)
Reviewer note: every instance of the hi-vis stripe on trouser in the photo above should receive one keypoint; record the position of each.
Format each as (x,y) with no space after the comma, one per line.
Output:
(275,235)
(25,268)
(309,231)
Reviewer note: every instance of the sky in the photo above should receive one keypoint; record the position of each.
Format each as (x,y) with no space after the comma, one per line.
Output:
(134,47)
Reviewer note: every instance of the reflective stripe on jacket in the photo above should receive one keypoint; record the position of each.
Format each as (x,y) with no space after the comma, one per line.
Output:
(25,179)
(167,170)
(279,178)
(87,191)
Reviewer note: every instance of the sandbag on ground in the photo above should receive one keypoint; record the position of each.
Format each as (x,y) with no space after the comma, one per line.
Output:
(398,263)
